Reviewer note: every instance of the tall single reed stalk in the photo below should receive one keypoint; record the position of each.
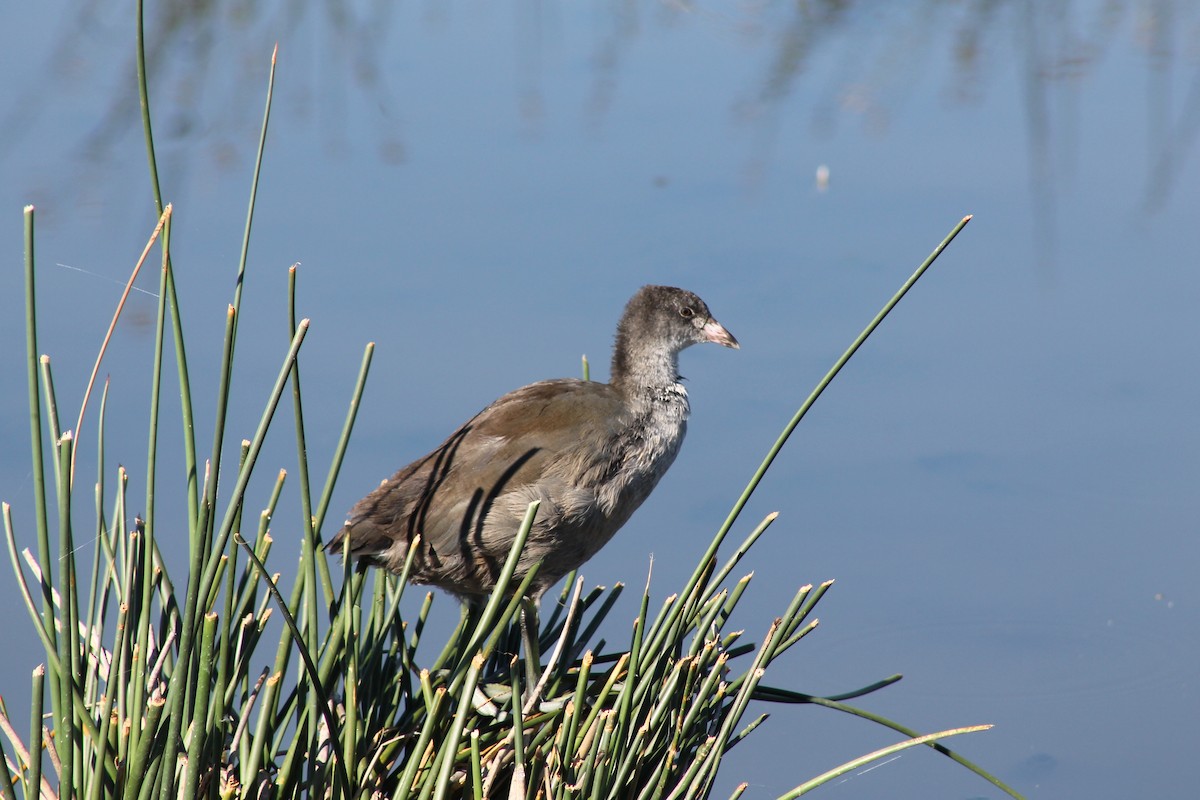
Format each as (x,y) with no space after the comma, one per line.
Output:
(179,686)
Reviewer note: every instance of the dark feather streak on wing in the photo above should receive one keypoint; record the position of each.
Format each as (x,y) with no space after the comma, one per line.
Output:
(539,422)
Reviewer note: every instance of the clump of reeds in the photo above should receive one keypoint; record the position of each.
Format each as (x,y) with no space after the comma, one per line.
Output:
(167,686)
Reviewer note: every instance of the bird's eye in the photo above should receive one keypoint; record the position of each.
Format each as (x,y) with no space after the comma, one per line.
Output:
(687,312)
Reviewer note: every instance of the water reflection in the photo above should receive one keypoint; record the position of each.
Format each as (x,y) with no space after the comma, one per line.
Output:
(208,62)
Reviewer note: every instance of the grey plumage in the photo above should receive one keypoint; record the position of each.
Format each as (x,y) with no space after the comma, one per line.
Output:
(590,452)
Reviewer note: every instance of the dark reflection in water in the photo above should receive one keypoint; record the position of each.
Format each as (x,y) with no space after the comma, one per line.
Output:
(206,61)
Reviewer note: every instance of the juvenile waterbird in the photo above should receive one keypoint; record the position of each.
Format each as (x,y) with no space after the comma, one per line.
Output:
(590,452)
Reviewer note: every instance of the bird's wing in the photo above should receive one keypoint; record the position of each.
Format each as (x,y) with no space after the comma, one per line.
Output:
(552,431)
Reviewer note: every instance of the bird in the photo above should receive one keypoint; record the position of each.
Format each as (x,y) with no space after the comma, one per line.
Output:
(589,452)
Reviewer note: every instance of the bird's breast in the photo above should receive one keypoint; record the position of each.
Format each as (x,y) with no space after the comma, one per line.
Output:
(644,449)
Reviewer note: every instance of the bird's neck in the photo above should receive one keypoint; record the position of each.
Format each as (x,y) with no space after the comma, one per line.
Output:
(654,422)
(649,382)
(640,371)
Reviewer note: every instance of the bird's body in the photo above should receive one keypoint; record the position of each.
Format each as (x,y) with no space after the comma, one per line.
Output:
(589,452)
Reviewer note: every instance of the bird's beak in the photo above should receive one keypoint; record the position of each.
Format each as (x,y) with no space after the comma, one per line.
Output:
(715,332)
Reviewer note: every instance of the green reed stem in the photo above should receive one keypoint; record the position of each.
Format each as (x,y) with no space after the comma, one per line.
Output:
(830,375)
(32,365)
(68,640)
(258,161)
(836,704)
(417,755)
(36,706)
(308,541)
(97,593)
(203,552)
(323,704)
(144,566)
(251,768)
(199,733)
(339,455)
(202,587)
(168,295)
(52,656)
(883,752)
(105,718)
(449,748)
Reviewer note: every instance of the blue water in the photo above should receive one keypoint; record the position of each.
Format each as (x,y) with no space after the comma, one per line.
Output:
(1002,481)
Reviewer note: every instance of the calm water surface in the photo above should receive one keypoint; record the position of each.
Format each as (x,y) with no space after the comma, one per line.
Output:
(1003,481)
